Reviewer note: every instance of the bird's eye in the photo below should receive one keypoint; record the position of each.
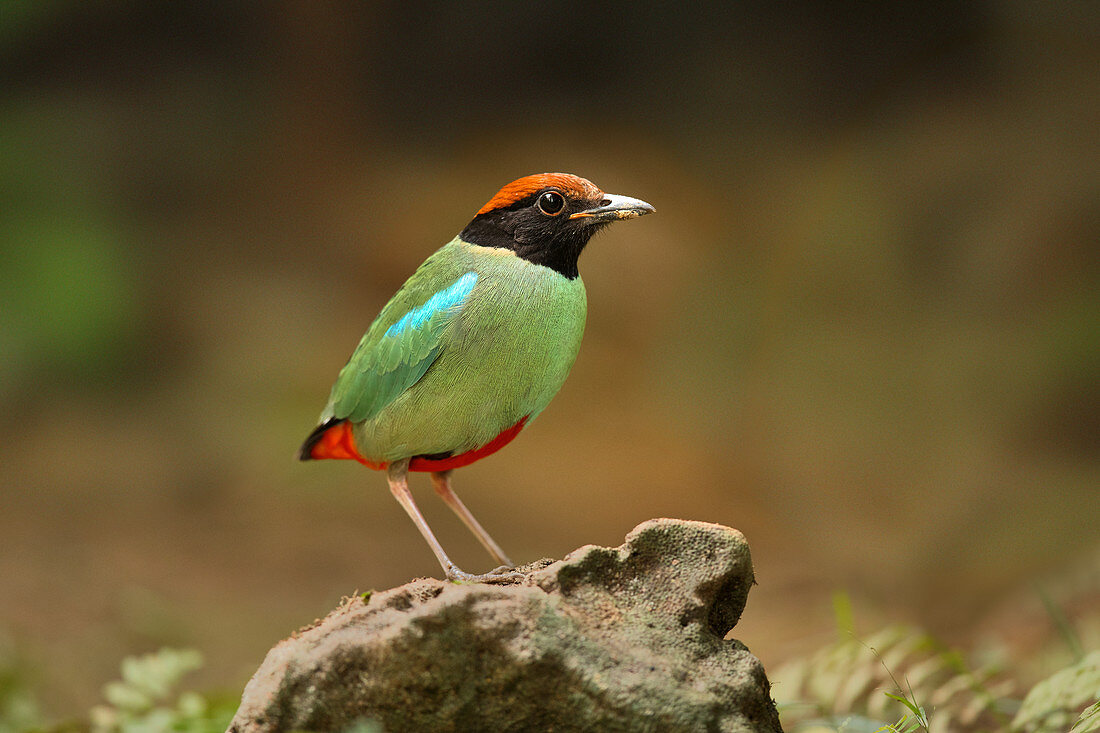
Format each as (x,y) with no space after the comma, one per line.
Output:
(551,203)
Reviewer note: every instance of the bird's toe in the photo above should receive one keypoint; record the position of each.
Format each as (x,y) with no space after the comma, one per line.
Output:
(502,574)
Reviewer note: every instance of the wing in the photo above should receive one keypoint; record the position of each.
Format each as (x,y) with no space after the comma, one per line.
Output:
(401,344)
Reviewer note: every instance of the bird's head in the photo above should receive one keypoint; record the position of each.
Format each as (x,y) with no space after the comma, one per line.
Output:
(548,218)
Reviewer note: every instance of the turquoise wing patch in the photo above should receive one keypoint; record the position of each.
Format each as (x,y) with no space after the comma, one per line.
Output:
(386,363)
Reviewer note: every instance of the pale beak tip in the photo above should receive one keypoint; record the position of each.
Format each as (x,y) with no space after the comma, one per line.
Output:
(615,207)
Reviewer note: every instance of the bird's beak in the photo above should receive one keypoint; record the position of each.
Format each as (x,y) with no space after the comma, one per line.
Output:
(614,207)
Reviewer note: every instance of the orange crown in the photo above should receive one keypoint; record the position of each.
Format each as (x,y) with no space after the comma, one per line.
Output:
(573,187)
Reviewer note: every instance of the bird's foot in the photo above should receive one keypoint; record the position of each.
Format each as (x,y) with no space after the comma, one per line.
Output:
(503,574)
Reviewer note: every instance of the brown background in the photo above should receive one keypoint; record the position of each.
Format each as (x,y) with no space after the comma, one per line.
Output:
(862,327)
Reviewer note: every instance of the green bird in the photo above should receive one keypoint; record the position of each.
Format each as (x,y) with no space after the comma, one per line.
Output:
(472,347)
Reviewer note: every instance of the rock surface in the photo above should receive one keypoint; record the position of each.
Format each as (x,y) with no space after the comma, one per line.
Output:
(608,639)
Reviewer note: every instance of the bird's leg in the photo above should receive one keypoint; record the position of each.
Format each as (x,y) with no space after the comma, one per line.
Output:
(399,487)
(441,480)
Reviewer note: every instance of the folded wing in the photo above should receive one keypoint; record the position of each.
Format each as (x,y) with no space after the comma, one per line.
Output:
(398,349)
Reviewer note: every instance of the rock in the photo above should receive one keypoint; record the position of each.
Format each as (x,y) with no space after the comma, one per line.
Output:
(608,639)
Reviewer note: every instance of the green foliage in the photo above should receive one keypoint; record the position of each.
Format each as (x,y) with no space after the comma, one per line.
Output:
(1089,720)
(18,707)
(142,701)
(853,686)
(897,674)
(915,720)
(1053,704)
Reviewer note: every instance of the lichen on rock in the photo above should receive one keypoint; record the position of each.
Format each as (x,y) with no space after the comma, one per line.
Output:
(608,639)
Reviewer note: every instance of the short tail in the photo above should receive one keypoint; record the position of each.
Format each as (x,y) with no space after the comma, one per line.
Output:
(307,451)
(334,439)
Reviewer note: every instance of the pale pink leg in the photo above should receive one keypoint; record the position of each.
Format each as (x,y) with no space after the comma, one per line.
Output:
(442,482)
(399,487)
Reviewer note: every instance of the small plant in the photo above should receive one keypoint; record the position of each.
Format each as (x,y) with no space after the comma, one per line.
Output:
(918,721)
(1052,704)
(853,685)
(1089,720)
(843,687)
(143,701)
(912,722)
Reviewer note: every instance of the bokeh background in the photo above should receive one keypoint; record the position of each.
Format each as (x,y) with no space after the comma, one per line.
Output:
(863,327)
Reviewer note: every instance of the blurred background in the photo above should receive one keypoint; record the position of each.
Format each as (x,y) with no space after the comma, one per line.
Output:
(863,327)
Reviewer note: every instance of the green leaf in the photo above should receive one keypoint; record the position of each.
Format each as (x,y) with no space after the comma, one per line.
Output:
(142,701)
(1089,720)
(1053,704)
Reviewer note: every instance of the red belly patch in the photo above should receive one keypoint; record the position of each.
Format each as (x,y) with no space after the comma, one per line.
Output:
(421,463)
(339,442)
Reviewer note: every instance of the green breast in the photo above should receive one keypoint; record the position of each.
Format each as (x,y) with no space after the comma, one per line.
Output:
(503,357)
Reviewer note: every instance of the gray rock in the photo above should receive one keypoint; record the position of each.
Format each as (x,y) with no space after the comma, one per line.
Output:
(608,639)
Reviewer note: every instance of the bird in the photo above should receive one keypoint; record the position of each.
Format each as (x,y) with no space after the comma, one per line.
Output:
(471,348)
